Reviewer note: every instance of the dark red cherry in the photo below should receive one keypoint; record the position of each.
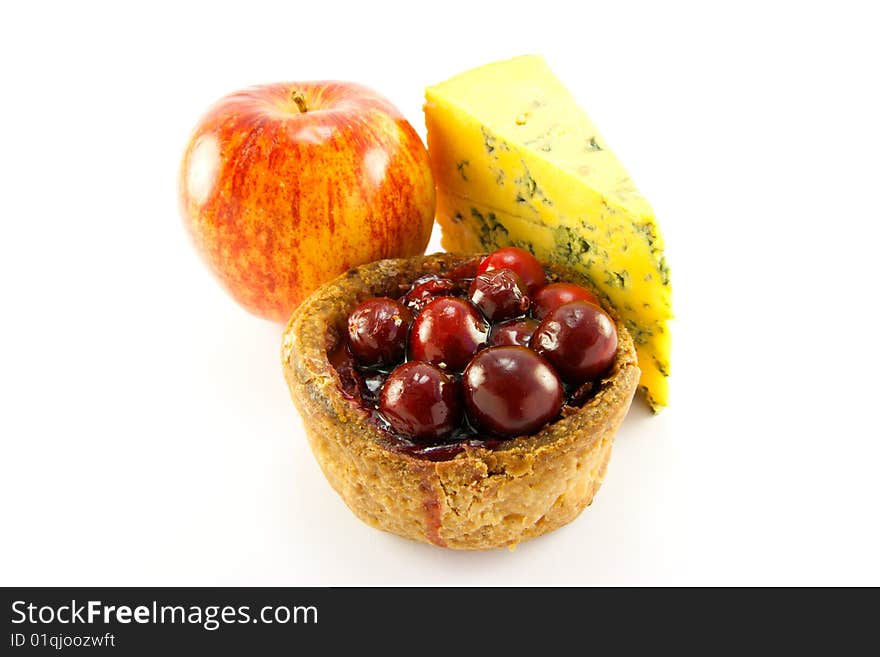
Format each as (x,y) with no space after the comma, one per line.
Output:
(554,295)
(499,294)
(466,270)
(421,402)
(578,339)
(519,260)
(428,289)
(447,333)
(511,391)
(513,332)
(377,331)
(350,380)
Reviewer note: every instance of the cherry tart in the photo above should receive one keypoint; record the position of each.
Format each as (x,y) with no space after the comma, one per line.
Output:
(466,401)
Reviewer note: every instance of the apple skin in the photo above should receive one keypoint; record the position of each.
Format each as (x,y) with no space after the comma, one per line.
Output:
(279,200)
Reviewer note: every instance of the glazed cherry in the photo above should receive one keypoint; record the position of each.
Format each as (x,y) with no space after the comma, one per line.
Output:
(578,339)
(447,333)
(511,391)
(421,402)
(519,260)
(554,295)
(427,289)
(350,380)
(466,270)
(499,294)
(377,331)
(513,332)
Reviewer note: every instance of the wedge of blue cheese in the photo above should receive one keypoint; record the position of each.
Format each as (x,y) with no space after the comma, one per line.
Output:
(517,162)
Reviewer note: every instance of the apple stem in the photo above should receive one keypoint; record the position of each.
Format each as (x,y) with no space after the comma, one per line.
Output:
(300,101)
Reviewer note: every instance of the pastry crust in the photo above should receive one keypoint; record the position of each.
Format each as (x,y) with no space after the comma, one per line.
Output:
(482,498)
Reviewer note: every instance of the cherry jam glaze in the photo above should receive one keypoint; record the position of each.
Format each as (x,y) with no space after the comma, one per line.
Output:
(478,364)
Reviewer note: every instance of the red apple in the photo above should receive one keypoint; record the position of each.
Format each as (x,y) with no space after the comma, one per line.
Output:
(285,186)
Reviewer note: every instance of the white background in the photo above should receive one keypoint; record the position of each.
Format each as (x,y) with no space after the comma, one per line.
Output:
(147,433)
